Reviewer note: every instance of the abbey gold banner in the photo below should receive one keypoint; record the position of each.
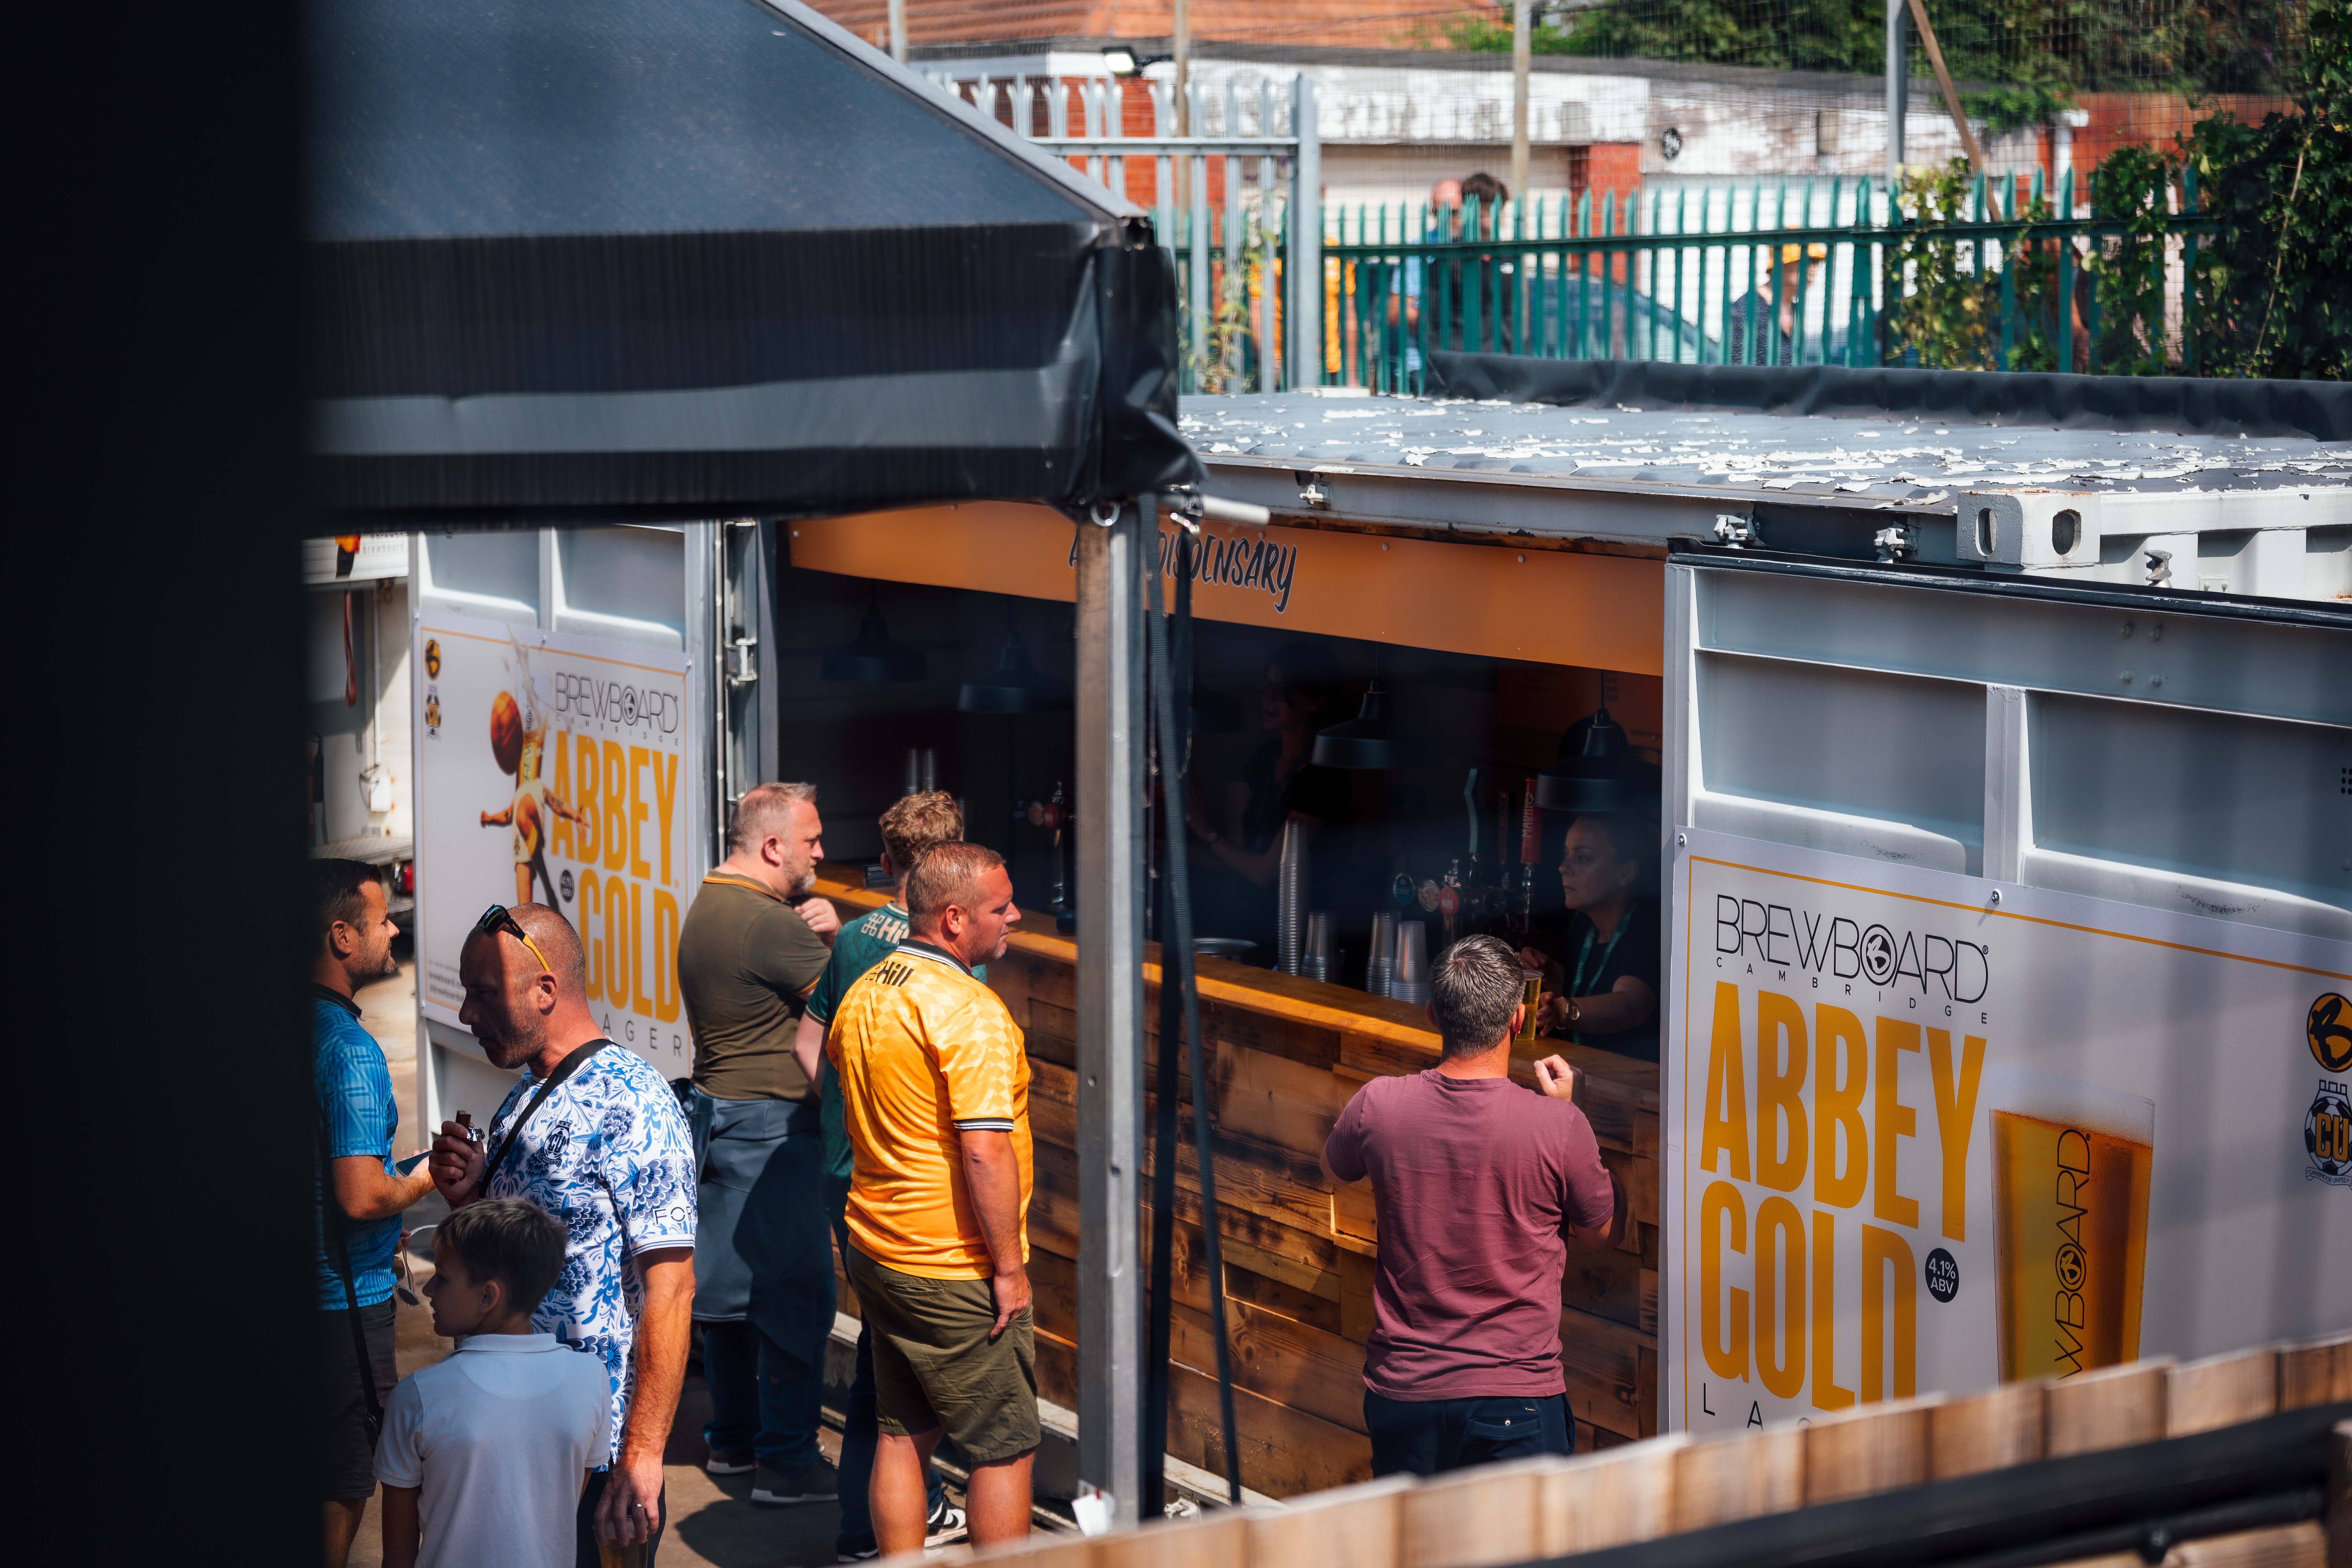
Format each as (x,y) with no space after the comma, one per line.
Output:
(1920,1140)
(554,769)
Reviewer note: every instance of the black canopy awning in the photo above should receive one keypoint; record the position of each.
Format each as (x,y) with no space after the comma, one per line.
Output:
(676,258)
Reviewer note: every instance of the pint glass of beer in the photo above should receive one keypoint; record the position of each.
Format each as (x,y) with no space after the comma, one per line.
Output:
(1531,993)
(2070,1167)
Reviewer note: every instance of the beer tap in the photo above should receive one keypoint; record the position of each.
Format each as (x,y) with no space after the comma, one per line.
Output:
(1055,815)
(1530,851)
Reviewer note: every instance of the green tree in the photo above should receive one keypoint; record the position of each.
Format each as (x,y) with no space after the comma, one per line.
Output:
(2033,55)
(2270,276)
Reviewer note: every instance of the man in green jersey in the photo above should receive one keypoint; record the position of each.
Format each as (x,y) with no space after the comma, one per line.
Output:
(910,830)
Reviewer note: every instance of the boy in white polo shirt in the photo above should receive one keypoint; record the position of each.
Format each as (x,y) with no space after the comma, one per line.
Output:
(484,1455)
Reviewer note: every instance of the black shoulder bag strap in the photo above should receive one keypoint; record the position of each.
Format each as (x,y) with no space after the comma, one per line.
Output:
(563,1069)
(331,1221)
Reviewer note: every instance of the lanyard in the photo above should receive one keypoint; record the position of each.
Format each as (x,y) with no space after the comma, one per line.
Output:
(1576,986)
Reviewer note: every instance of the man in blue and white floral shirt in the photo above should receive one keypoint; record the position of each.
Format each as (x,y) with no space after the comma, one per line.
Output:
(595,1137)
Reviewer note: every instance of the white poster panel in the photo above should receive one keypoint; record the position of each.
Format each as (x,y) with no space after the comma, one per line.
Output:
(555,769)
(1926,1134)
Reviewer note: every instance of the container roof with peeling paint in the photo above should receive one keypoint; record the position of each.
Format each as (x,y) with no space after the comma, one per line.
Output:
(2269,515)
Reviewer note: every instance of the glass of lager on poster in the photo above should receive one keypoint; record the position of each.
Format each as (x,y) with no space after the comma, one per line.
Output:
(2071,1168)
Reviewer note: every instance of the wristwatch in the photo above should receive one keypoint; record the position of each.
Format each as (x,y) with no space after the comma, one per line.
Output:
(1575,1013)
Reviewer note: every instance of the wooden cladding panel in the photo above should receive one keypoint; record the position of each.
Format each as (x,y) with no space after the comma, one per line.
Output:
(1615,1494)
(1284,1451)
(1480,1518)
(2221,1391)
(1988,1431)
(2113,1408)
(1283,1056)
(1219,1536)
(1744,1475)
(1610,1499)
(2319,1372)
(1602,1362)
(1358,1526)
(1275,1355)
(1877,1448)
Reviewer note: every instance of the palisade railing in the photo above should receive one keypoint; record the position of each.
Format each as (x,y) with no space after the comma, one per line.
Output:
(2022,274)
(1812,272)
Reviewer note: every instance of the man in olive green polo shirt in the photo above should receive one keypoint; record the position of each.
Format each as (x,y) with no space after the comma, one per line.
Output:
(754,944)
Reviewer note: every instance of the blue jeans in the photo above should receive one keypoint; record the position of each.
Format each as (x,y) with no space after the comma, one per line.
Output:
(762,1398)
(1429,1436)
(860,1436)
(764,1275)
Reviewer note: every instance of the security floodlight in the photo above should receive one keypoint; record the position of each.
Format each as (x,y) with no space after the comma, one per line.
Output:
(1120,60)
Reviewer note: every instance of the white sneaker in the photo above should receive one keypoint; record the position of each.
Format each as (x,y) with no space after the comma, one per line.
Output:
(947,1524)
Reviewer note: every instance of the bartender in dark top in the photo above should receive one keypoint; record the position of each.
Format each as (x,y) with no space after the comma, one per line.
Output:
(1601,969)
(1278,784)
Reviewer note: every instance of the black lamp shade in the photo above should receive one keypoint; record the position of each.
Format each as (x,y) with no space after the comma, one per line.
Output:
(1012,687)
(1605,775)
(874,657)
(1369,740)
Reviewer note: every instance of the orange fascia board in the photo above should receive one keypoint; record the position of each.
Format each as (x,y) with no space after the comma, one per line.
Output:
(1550,606)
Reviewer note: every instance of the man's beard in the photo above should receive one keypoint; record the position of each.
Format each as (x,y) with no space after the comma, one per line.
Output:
(804,884)
(515,1049)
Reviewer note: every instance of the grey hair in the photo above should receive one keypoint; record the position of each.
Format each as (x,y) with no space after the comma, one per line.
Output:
(765,809)
(1474,985)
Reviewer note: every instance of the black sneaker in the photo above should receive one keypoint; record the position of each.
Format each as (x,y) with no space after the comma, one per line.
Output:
(719,1464)
(815,1482)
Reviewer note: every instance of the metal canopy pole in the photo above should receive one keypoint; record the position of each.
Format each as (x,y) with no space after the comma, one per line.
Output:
(1898,94)
(1110,883)
(1306,291)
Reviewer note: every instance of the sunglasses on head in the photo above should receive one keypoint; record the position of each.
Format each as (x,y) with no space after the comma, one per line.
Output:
(495,920)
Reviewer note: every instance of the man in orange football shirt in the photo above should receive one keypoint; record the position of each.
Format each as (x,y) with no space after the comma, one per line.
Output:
(935,1085)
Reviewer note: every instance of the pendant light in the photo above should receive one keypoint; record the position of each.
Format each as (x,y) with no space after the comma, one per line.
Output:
(873,656)
(1369,740)
(1604,774)
(1015,686)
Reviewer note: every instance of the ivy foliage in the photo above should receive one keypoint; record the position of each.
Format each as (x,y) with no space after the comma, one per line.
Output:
(1949,319)
(2270,276)
(2265,277)
(1952,318)
(2025,58)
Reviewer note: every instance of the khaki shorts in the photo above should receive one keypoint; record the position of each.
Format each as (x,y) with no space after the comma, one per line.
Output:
(935,1366)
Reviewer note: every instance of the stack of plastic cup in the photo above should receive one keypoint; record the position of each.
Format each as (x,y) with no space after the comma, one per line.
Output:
(1380,968)
(1290,899)
(1411,975)
(1315,963)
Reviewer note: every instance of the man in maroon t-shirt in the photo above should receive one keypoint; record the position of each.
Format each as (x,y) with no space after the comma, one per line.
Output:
(1479,1183)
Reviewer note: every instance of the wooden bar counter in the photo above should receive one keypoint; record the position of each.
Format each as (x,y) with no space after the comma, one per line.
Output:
(1285,1054)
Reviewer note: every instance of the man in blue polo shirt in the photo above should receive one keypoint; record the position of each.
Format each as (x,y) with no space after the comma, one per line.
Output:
(361,1196)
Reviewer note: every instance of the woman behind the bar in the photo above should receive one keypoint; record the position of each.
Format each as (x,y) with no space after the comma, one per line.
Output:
(1600,967)
(1279,784)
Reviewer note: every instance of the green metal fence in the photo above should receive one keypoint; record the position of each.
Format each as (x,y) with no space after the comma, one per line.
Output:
(2003,273)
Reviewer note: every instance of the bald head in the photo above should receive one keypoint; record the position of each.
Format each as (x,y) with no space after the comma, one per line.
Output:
(566,959)
(519,1011)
